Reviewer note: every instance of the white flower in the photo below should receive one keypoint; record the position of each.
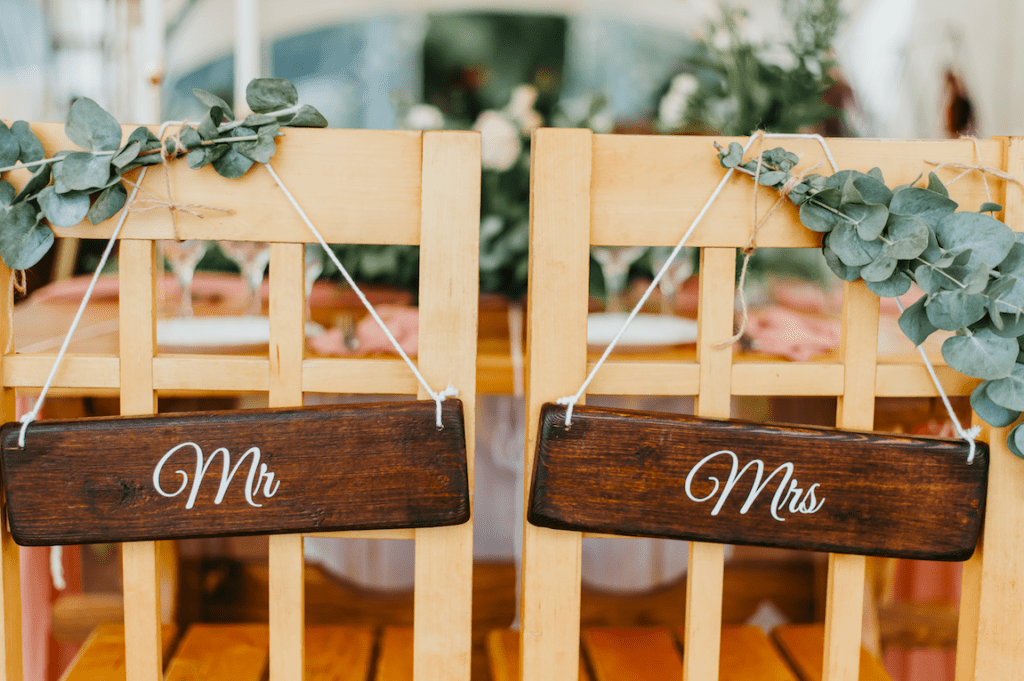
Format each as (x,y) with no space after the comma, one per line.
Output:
(672,107)
(684,84)
(779,55)
(500,143)
(424,117)
(520,108)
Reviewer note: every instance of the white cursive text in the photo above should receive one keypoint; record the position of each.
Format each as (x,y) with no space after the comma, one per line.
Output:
(252,483)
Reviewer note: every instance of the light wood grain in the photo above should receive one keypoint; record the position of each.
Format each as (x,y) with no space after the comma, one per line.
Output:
(219,652)
(372,179)
(10,570)
(369,375)
(632,654)
(394,662)
(503,655)
(747,654)
(706,562)
(449,285)
(76,371)
(560,178)
(1000,640)
(338,653)
(801,643)
(647,189)
(101,657)
(143,653)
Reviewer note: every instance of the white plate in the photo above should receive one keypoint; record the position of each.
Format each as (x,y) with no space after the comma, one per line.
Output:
(644,332)
(218,334)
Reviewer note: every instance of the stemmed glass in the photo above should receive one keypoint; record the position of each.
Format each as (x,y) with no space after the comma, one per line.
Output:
(183,256)
(678,272)
(615,262)
(252,258)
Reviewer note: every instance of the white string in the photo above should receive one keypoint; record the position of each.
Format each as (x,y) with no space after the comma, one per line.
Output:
(438,397)
(57,568)
(570,401)
(968,435)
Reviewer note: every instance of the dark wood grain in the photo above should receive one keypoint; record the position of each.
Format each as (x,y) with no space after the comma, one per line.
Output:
(623,472)
(347,467)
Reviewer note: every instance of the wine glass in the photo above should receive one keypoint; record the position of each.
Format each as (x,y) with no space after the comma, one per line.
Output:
(678,272)
(252,258)
(615,262)
(183,256)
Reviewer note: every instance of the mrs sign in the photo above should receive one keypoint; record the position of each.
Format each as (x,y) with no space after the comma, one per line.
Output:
(663,475)
(350,467)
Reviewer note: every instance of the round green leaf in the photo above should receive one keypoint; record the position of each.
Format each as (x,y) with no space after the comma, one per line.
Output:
(81,171)
(991,413)
(1015,441)
(914,322)
(927,205)
(25,239)
(31,147)
(841,270)
(896,285)
(817,218)
(981,355)
(40,178)
(211,100)
(952,310)
(270,94)
(870,218)
(935,185)
(92,128)
(128,153)
(989,239)
(850,248)
(908,237)
(9,147)
(64,210)
(879,269)
(232,164)
(1008,392)
(108,203)
(6,193)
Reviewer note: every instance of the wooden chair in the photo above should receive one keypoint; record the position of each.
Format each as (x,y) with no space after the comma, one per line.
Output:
(628,190)
(357,187)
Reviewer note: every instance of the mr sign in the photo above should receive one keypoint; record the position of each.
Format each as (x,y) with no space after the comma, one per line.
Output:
(348,467)
(663,475)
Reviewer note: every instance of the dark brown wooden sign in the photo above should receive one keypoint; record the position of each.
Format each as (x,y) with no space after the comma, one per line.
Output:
(346,467)
(664,475)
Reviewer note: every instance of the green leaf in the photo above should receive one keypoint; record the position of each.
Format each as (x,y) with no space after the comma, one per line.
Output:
(849,190)
(850,248)
(981,355)
(40,178)
(991,413)
(108,203)
(914,323)
(92,128)
(232,164)
(63,210)
(933,252)
(128,153)
(309,117)
(10,150)
(148,143)
(190,137)
(270,94)
(201,156)
(262,150)
(26,240)
(1015,441)
(928,279)
(935,185)
(876,173)
(928,206)
(257,119)
(31,148)
(1005,306)
(896,285)
(1008,392)
(952,310)
(818,218)
(7,193)
(733,157)
(988,238)
(989,207)
(81,170)
(211,100)
(870,218)
(841,270)
(908,237)
(207,128)
(1014,260)
(879,269)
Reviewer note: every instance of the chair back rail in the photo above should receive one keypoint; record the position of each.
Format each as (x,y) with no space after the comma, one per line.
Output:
(617,190)
(357,187)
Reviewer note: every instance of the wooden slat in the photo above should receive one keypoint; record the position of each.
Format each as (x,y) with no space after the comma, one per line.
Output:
(1000,641)
(781,378)
(706,562)
(801,644)
(381,376)
(449,285)
(143,653)
(10,566)
(285,553)
(503,656)
(912,380)
(338,653)
(221,652)
(210,373)
(627,377)
(638,198)
(560,179)
(748,655)
(371,177)
(101,657)
(76,371)
(632,654)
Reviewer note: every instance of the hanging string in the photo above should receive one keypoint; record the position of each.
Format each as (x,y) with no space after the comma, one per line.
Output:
(438,397)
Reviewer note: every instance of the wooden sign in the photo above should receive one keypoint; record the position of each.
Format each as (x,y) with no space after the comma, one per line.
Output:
(663,475)
(346,467)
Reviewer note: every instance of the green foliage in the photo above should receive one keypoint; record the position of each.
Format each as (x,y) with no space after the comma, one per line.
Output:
(969,264)
(88,182)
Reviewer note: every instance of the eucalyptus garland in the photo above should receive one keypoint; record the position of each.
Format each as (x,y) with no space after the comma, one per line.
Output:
(90,183)
(969,264)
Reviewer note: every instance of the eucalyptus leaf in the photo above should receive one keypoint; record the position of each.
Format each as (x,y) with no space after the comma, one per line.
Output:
(26,240)
(211,100)
(990,239)
(908,237)
(10,150)
(915,324)
(1015,441)
(844,272)
(261,150)
(257,119)
(870,218)
(201,156)
(879,269)
(928,279)
(82,170)
(952,310)
(190,137)
(876,173)
(733,157)
(991,413)
(927,205)
(309,117)
(40,178)
(270,94)
(108,203)
(31,148)
(1014,260)
(7,193)
(849,190)
(981,354)
(1008,392)
(91,127)
(128,153)
(896,285)
(767,178)
(1006,307)
(850,248)
(818,218)
(232,164)
(64,210)
(989,207)
(207,128)
(935,185)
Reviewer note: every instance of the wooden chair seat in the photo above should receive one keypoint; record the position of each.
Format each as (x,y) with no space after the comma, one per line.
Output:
(802,646)
(101,657)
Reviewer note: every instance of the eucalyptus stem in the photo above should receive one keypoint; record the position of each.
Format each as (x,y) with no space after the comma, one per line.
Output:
(280,112)
(30,164)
